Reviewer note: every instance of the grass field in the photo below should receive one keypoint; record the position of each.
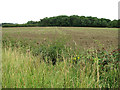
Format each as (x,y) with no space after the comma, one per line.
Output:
(60,57)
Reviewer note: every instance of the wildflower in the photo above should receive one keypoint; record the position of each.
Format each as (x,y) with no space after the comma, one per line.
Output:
(78,57)
(74,58)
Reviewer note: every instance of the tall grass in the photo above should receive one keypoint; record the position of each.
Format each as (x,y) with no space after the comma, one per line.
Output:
(29,63)
(22,70)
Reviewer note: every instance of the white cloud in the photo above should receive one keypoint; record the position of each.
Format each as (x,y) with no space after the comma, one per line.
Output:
(21,11)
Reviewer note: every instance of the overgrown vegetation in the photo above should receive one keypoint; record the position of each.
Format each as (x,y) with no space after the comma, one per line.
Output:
(77,71)
(69,21)
(56,64)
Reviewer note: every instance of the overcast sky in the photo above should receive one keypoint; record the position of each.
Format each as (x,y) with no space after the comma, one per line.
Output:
(21,11)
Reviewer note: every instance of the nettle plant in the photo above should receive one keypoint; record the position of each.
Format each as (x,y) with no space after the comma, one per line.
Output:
(105,60)
(51,52)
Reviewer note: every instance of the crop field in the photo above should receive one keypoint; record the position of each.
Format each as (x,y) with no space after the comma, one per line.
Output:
(60,57)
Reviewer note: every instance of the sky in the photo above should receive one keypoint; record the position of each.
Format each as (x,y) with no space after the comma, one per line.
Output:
(21,11)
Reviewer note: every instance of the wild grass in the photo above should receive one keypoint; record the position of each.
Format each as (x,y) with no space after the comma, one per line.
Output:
(30,63)
(27,71)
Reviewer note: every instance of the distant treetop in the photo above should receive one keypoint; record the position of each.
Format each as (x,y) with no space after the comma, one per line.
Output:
(68,21)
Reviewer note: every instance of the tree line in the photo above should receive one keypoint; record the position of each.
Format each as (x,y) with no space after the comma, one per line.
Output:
(69,21)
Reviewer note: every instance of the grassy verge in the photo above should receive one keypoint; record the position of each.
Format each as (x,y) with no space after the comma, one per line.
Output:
(26,71)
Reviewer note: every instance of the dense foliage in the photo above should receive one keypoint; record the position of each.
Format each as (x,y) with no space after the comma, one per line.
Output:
(31,60)
(91,69)
(68,21)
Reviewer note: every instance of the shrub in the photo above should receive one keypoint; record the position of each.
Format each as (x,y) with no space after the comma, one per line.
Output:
(52,51)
